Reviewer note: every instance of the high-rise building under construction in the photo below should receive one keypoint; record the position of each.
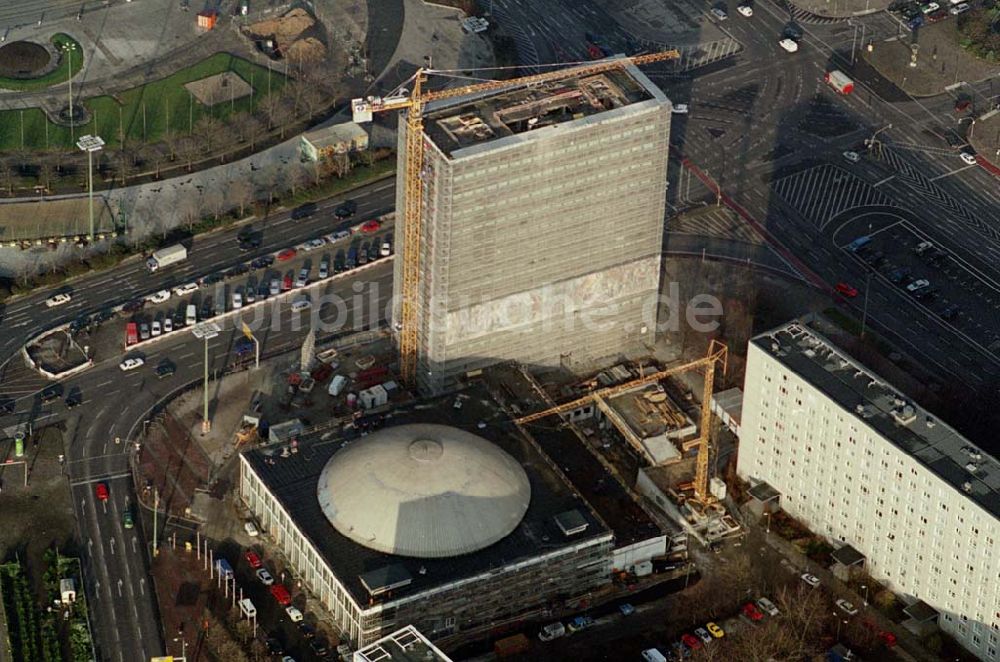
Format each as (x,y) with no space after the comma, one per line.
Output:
(542,224)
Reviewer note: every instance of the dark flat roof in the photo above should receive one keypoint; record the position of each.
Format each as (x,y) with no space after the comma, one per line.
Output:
(293,480)
(847,556)
(603,492)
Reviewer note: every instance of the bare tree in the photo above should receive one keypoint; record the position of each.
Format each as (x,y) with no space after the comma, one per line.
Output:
(7,177)
(311,100)
(297,178)
(45,174)
(189,210)
(238,123)
(207,129)
(153,156)
(240,194)
(271,108)
(254,129)
(188,150)
(340,164)
(215,202)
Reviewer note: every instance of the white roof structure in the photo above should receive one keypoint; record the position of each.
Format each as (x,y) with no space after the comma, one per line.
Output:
(424,490)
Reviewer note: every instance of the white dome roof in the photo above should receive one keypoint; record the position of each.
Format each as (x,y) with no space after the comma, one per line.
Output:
(424,490)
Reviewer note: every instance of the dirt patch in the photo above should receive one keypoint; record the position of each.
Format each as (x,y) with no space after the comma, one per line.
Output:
(941,61)
(57,352)
(296,35)
(227,86)
(48,219)
(23,59)
(174,464)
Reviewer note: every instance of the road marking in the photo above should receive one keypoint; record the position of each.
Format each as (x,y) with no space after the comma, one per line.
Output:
(100,479)
(883,181)
(948,174)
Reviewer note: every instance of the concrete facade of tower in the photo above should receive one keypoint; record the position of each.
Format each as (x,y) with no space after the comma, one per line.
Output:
(542,224)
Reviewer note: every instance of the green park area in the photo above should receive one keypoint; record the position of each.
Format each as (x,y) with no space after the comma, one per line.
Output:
(71,55)
(142,114)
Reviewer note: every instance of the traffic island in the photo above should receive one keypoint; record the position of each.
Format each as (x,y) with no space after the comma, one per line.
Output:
(56,354)
(839,8)
(984,136)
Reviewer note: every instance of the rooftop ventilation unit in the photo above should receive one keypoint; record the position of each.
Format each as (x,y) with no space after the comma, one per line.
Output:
(904,414)
(967,487)
(971,467)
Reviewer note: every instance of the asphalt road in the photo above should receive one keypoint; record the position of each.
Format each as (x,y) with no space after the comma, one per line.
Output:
(115,558)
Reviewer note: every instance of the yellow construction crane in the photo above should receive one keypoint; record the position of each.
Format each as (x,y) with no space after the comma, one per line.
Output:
(717,353)
(414,103)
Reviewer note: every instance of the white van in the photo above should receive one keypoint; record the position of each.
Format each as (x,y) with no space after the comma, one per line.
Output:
(191,318)
(653,655)
(248,608)
(337,385)
(552,631)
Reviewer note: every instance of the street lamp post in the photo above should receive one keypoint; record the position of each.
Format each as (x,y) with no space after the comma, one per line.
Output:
(206,331)
(90,144)
(68,48)
(864,312)
(865,588)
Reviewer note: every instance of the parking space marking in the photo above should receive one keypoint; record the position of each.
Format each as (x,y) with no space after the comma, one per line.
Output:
(824,192)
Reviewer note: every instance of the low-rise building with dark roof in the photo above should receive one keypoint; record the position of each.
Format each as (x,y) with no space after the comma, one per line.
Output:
(427,525)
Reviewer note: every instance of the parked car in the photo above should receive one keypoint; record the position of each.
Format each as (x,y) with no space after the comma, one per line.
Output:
(691,641)
(168,324)
(959,9)
(745,10)
(715,630)
(371,226)
(846,607)
(156,329)
(286,254)
(580,623)
(187,288)
(720,13)
(918,285)
(626,609)
(251,529)
(767,607)
(237,300)
(253,559)
(281,594)
(303,278)
(275,286)
(159,297)
(950,313)
(324,269)
(750,611)
(703,634)
(293,613)
(265,577)
(811,580)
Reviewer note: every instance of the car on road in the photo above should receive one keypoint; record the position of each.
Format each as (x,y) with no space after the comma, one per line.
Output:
(281,594)
(131,363)
(251,244)
(165,369)
(968,158)
(264,576)
(626,609)
(58,299)
(51,392)
(767,607)
(75,398)
(251,529)
(811,580)
(346,209)
(745,10)
(918,285)
(293,613)
(301,303)
(8,405)
(691,641)
(846,607)
(789,45)
(703,634)
(253,559)
(159,297)
(950,313)
(127,521)
(304,211)
(715,630)
(286,254)
(580,623)
(156,329)
(185,289)
(750,611)
(847,290)
(680,109)
(371,226)
(719,13)
(101,491)
(853,157)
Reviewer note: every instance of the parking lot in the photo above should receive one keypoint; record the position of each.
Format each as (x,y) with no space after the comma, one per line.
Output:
(936,280)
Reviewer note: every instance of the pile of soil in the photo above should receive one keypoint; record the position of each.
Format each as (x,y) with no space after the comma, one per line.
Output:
(296,35)
(21,59)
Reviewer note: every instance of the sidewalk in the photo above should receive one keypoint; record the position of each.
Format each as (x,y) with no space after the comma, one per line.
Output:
(840,8)
(984,137)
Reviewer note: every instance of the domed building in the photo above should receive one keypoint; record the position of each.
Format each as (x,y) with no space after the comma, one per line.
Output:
(428,525)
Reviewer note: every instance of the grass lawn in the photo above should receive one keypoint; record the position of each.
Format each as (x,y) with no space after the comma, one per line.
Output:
(163,103)
(57,75)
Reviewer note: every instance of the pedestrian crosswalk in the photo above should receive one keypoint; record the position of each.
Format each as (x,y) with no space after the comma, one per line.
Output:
(527,54)
(823,192)
(931,192)
(694,56)
(803,16)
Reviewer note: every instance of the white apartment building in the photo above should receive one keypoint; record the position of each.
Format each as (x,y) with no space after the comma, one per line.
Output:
(855,460)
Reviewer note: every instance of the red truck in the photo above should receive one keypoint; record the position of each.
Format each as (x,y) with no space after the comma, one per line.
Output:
(839,81)
(131,333)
